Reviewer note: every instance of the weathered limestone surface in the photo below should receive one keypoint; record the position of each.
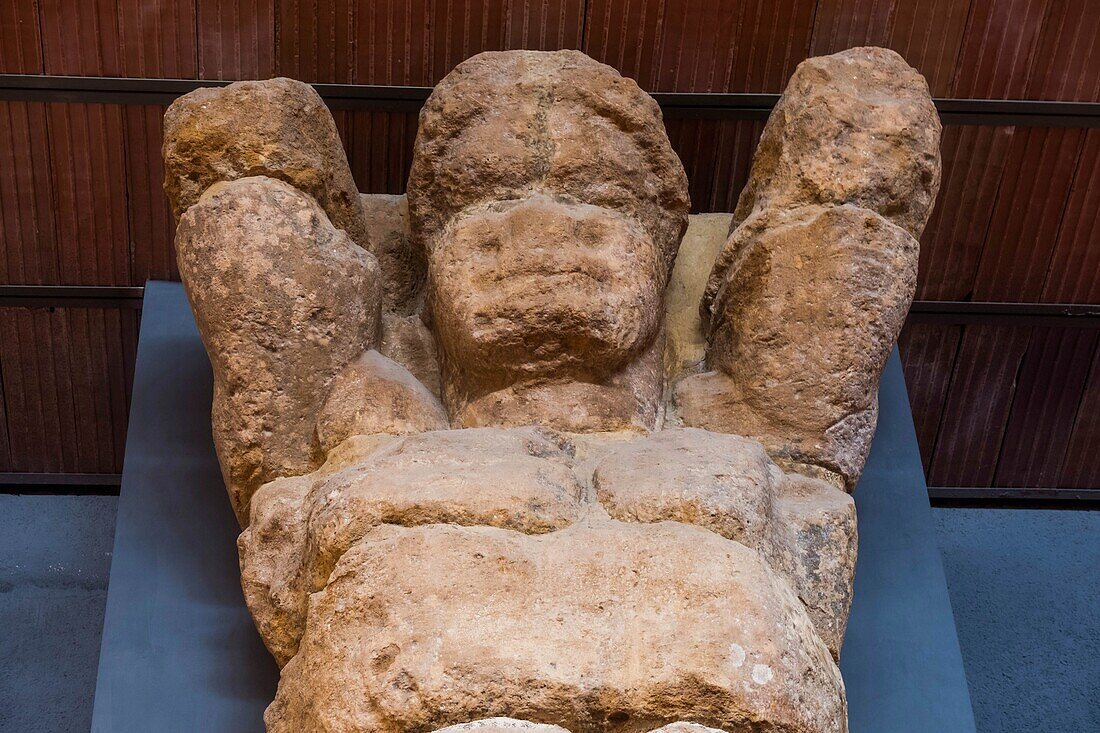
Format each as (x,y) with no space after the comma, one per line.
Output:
(409,342)
(499,725)
(404,268)
(372,395)
(685,334)
(818,521)
(278,128)
(857,127)
(805,321)
(520,479)
(804,528)
(465,501)
(810,292)
(551,205)
(602,626)
(283,301)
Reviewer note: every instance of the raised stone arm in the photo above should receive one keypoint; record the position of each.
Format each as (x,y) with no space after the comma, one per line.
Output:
(808,295)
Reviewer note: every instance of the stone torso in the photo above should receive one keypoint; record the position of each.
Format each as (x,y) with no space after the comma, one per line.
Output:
(517,448)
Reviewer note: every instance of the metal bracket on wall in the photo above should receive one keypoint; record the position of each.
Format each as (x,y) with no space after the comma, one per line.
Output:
(120,90)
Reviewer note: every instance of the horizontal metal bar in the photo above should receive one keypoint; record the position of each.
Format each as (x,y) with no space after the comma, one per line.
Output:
(102,484)
(1078,315)
(1014,498)
(121,90)
(70,296)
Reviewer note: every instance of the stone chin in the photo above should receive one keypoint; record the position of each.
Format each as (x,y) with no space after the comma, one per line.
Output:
(538,288)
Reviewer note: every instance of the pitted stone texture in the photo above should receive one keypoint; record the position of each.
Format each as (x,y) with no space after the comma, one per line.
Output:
(404,268)
(500,725)
(856,127)
(804,320)
(283,301)
(374,394)
(686,728)
(278,128)
(685,336)
(603,626)
(551,205)
(513,122)
(410,343)
(805,528)
(520,479)
(819,522)
(724,483)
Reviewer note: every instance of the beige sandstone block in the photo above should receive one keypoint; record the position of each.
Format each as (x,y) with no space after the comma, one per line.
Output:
(283,301)
(603,626)
(279,128)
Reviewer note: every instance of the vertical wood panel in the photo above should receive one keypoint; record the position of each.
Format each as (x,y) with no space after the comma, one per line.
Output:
(717,155)
(1081,469)
(151,224)
(976,409)
(998,48)
(27,239)
(1067,63)
(65,387)
(928,33)
(20,45)
(1074,275)
(89,173)
(317,40)
(624,34)
(928,354)
(1050,388)
(974,160)
(157,38)
(1026,217)
(701,45)
(236,39)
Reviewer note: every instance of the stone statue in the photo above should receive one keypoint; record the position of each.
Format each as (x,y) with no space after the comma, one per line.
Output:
(509,456)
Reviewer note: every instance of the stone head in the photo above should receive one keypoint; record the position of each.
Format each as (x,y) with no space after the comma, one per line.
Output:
(550,205)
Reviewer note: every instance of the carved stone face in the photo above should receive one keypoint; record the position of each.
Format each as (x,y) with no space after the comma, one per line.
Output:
(536,286)
(551,205)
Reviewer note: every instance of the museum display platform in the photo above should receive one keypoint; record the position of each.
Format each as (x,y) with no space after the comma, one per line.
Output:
(180,653)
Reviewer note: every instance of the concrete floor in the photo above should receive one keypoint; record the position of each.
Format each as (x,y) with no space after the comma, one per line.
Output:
(1025,586)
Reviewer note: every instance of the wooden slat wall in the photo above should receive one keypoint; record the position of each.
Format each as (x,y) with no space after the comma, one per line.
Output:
(1018,217)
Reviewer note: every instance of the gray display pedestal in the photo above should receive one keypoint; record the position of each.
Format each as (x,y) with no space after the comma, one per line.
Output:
(180,653)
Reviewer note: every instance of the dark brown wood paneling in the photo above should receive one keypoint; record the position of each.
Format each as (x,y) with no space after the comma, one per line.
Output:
(27,239)
(317,41)
(1074,274)
(1067,62)
(1049,389)
(928,354)
(977,406)
(20,44)
(717,155)
(157,38)
(380,150)
(236,39)
(66,387)
(701,45)
(151,224)
(928,33)
(1081,467)
(998,48)
(87,146)
(89,176)
(1024,225)
(973,165)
